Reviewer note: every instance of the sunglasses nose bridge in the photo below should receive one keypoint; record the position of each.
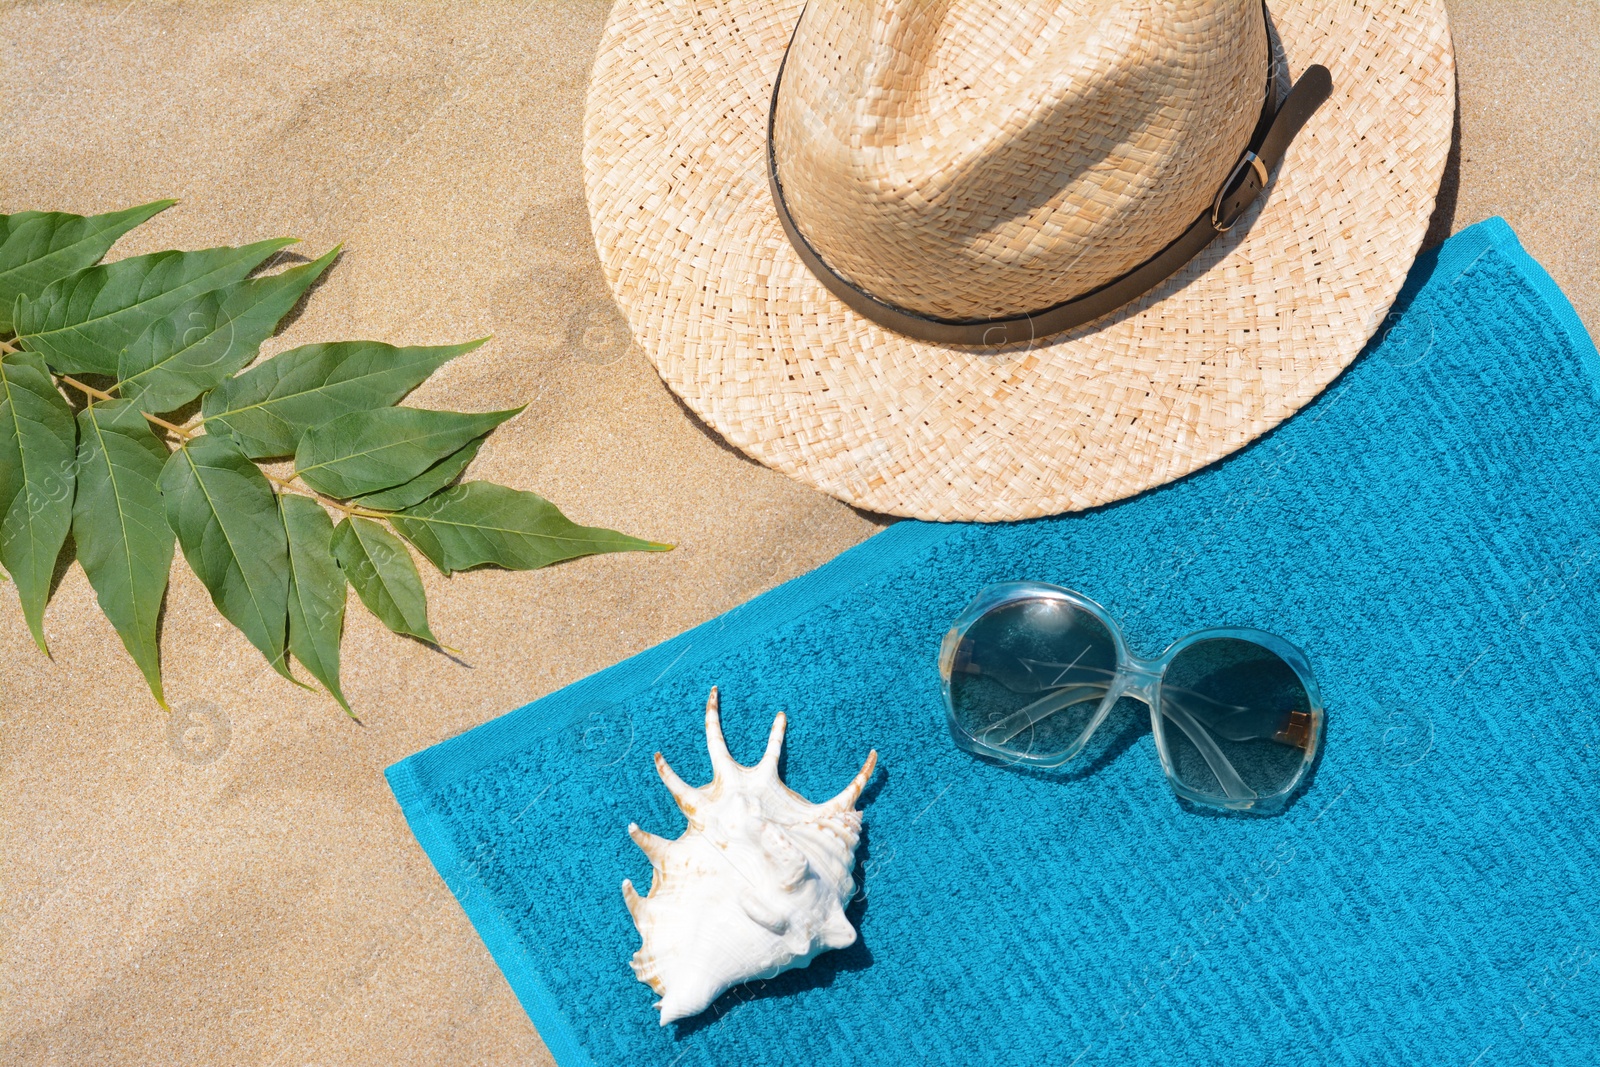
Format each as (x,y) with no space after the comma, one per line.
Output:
(1139,679)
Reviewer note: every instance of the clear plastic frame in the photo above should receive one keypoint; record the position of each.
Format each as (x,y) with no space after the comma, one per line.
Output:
(1031,671)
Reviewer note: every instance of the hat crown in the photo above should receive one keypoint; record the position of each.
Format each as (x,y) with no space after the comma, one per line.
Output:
(978,158)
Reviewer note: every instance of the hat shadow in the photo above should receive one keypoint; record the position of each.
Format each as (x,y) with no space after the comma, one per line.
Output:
(1443,221)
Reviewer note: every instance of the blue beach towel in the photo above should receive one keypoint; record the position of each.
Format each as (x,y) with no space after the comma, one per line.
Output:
(1426,531)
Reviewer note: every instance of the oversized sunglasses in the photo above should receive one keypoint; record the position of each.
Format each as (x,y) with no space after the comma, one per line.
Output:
(1030,672)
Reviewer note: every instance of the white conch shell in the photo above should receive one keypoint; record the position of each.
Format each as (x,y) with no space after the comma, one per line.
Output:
(755,886)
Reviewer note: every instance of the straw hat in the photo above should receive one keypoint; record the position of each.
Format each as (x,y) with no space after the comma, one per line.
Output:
(937,289)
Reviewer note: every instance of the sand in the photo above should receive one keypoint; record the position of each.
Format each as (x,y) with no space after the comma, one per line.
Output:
(236,885)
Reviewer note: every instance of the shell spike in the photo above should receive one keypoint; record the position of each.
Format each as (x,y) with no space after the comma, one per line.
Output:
(756,885)
(722,762)
(769,759)
(846,800)
(686,795)
(652,846)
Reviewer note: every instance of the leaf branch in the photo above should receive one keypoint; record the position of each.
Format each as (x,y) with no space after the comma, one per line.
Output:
(180,432)
(186,434)
(290,485)
(177,328)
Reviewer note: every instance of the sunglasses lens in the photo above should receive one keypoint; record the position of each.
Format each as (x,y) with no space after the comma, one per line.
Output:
(1027,677)
(1236,721)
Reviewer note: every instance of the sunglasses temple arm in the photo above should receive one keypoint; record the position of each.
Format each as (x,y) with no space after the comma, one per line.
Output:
(1038,711)
(1227,777)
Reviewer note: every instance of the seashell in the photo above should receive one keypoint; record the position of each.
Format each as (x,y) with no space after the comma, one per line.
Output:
(755,886)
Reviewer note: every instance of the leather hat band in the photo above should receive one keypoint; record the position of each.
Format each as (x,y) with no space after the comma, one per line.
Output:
(1273,134)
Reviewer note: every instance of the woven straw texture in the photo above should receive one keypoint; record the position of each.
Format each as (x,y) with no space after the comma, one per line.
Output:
(1250,331)
(966,164)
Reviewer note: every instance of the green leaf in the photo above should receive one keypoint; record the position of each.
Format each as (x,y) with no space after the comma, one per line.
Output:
(192,349)
(38,445)
(316,593)
(81,323)
(480,522)
(365,451)
(226,518)
(385,578)
(39,247)
(122,536)
(425,484)
(268,408)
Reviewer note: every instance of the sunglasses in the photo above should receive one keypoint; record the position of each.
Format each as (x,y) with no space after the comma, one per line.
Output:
(1030,672)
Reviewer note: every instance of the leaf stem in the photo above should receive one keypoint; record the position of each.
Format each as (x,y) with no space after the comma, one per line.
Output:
(289,485)
(357,509)
(186,435)
(100,394)
(286,483)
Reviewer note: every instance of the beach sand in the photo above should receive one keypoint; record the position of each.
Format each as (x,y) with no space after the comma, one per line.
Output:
(236,885)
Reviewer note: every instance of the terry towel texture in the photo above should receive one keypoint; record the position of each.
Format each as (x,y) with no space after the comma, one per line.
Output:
(1426,531)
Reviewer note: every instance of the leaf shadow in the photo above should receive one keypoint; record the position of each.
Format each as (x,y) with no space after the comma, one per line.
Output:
(289,259)
(188,410)
(77,400)
(182,414)
(67,555)
(453,657)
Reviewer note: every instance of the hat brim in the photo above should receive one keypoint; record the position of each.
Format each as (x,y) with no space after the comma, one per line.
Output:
(1250,331)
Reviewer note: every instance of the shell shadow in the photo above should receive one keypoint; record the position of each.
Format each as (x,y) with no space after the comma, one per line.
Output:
(822,971)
